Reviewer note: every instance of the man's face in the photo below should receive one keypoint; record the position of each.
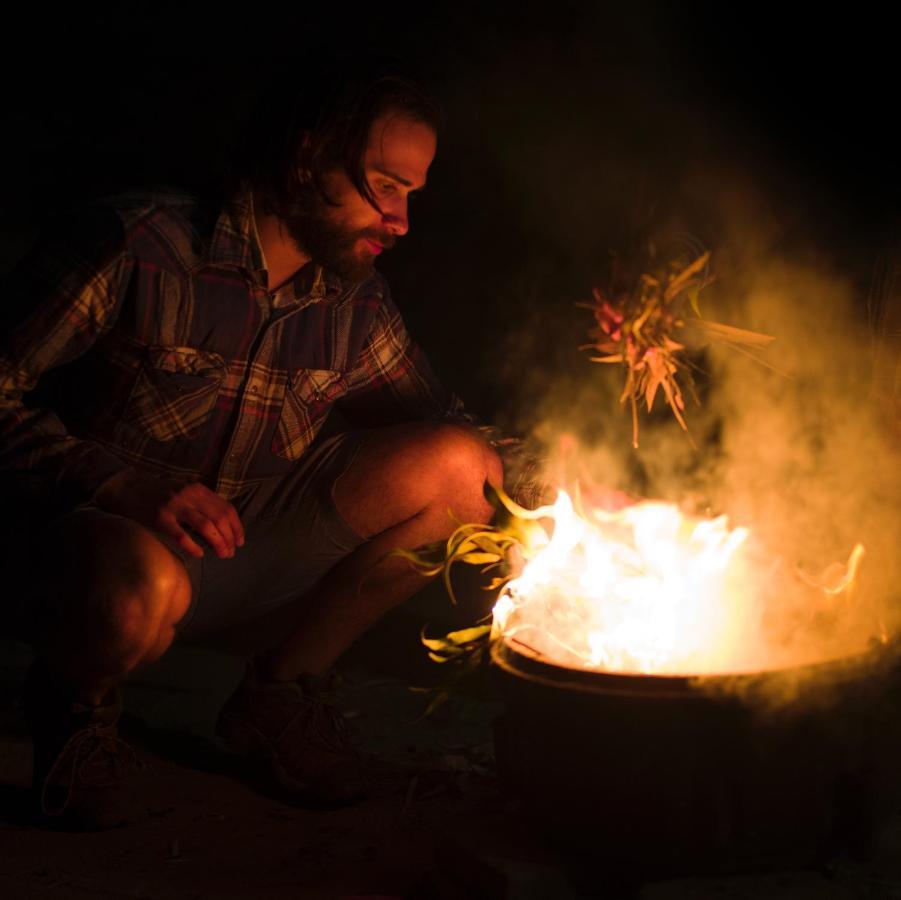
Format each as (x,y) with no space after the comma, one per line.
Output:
(348,237)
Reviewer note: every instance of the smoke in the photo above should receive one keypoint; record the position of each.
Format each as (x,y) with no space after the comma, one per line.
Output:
(567,146)
(807,456)
(798,446)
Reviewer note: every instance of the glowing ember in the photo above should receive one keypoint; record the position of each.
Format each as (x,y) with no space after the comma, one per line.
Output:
(649,589)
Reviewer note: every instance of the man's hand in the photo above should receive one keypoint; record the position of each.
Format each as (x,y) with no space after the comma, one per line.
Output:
(168,507)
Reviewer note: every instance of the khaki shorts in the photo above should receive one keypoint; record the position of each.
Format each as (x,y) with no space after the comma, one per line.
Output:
(293,536)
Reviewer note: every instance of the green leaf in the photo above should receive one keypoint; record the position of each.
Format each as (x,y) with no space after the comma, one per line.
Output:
(426,555)
(448,584)
(441,644)
(435,643)
(693,295)
(500,500)
(464,547)
(420,561)
(440,698)
(490,542)
(468,635)
(476,559)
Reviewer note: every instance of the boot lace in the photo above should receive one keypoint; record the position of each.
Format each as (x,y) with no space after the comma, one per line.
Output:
(93,757)
(320,722)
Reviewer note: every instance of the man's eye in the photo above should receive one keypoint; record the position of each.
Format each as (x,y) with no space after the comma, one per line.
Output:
(387,187)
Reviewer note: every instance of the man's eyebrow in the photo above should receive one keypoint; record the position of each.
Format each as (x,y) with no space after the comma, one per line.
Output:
(394,176)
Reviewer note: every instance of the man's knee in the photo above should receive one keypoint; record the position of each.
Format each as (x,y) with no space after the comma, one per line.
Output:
(458,461)
(112,576)
(462,451)
(403,470)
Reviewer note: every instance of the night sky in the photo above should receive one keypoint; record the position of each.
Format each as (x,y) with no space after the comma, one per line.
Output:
(564,127)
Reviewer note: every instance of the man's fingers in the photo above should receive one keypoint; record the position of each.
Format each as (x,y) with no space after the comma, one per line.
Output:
(223,516)
(226,520)
(170,525)
(237,525)
(190,546)
(208,531)
(220,512)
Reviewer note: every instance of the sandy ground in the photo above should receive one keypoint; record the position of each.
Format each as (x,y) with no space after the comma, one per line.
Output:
(435,826)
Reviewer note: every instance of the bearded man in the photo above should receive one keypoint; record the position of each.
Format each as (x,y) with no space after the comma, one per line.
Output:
(162,392)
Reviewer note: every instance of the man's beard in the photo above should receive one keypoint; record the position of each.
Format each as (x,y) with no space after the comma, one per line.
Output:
(330,245)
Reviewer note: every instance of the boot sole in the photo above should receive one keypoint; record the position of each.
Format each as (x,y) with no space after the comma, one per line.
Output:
(244,741)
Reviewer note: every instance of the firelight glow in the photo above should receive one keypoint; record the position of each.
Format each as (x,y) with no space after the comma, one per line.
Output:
(646,589)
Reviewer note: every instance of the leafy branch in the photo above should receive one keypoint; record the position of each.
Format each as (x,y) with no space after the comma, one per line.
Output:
(514,536)
(638,329)
(498,549)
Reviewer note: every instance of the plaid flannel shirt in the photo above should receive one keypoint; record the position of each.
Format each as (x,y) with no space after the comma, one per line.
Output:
(145,336)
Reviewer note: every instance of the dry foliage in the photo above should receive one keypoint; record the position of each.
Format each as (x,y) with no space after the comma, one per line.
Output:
(640,329)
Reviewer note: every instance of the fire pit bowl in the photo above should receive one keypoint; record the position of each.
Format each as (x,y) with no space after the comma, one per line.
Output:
(678,775)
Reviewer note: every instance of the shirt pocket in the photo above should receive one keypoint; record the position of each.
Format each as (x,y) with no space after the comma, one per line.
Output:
(308,400)
(175,391)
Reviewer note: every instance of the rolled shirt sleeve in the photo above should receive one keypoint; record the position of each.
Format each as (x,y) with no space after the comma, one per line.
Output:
(62,297)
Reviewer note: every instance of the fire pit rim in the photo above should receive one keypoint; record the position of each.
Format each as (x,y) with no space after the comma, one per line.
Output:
(526,664)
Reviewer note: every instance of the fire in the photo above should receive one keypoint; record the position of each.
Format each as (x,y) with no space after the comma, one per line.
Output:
(650,589)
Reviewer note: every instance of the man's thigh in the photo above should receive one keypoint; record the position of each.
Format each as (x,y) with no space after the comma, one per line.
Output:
(56,562)
(294,535)
(401,469)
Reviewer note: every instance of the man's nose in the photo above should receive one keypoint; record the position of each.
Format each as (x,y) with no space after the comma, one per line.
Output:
(395,217)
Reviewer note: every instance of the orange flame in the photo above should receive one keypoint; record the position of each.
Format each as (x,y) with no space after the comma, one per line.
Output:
(646,589)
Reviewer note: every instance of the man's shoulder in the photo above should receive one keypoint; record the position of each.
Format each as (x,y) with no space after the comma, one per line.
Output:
(165,226)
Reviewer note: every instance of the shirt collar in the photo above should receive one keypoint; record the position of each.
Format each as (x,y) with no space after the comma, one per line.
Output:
(236,243)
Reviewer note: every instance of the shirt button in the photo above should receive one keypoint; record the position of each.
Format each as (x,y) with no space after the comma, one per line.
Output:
(232,455)
(318,396)
(254,389)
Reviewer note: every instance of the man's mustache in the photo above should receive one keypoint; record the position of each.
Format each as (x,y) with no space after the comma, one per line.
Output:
(385,238)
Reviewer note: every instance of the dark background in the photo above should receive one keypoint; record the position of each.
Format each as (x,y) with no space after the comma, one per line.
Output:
(568,128)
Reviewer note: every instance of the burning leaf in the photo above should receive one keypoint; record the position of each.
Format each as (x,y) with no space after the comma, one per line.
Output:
(636,330)
(732,335)
(837,577)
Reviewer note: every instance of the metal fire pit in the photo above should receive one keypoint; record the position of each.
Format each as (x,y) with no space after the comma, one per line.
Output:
(675,775)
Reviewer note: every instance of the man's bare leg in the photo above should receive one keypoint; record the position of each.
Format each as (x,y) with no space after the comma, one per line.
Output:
(111,596)
(109,599)
(398,493)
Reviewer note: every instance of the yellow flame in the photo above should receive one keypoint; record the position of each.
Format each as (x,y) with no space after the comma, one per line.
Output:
(646,589)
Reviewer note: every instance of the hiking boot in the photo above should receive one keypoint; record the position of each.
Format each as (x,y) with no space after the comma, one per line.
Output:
(81,765)
(287,729)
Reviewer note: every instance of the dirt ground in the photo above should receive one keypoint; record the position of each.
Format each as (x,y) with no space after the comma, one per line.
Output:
(435,826)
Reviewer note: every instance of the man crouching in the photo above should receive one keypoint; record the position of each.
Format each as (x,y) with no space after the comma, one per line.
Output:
(162,397)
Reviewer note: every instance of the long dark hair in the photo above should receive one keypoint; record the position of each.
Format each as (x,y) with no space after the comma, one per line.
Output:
(307,121)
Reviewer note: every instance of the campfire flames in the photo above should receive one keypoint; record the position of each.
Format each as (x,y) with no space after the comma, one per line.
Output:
(649,589)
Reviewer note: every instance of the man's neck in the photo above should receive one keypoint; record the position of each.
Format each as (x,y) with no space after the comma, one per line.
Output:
(283,258)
